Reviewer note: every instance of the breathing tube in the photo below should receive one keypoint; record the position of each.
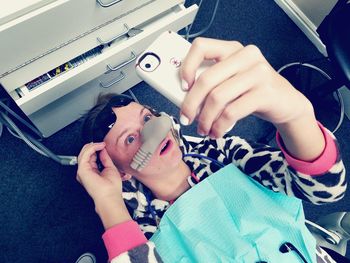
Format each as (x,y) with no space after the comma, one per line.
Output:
(152,134)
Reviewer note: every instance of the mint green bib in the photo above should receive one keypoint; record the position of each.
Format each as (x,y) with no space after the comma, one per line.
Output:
(229,217)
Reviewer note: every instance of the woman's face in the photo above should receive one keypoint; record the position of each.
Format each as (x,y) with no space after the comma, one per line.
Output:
(124,140)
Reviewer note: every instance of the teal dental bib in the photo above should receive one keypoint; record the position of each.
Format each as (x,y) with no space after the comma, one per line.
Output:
(229,217)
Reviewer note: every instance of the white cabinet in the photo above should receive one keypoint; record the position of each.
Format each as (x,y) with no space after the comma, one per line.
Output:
(57,58)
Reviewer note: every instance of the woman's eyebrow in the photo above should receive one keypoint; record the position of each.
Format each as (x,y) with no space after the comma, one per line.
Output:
(126,130)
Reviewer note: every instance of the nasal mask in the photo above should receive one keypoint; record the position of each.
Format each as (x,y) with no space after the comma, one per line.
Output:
(152,134)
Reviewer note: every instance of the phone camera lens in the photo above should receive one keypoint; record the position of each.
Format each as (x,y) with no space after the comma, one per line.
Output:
(149,62)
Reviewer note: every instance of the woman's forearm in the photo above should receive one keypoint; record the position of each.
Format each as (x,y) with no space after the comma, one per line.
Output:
(302,137)
(112,212)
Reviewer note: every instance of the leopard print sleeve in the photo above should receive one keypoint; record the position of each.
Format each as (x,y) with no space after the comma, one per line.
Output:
(268,166)
(263,163)
(145,253)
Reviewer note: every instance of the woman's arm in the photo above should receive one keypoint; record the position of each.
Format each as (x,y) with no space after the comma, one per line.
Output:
(138,255)
(126,243)
(320,181)
(241,83)
(123,238)
(302,137)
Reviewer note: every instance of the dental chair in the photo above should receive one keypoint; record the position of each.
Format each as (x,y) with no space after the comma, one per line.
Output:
(333,231)
(334,32)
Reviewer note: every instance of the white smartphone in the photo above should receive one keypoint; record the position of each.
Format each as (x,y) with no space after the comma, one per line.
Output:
(159,65)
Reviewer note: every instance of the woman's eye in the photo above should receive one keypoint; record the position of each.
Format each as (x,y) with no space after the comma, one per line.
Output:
(147,117)
(130,139)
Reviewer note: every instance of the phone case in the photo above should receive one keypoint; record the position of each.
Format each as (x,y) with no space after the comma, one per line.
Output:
(165,56)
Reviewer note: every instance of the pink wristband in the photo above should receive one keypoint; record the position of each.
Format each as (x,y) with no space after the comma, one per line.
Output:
(123,237)
(319,166)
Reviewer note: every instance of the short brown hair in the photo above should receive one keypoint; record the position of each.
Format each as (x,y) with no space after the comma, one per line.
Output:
(90,120)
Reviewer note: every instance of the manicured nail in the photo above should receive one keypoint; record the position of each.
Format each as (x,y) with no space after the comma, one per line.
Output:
(98,143)
(201,133)
(211,135)
(184,85)
(184,120)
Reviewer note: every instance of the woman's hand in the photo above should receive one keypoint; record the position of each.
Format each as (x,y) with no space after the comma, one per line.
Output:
(100,185)
(104,187)
(241,83)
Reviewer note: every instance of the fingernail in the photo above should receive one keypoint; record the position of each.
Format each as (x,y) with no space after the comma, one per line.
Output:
(184,120)
(97,143)
(212,136)
(201,133)
(184,85)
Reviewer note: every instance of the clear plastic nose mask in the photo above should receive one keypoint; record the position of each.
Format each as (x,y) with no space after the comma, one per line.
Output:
(152,134)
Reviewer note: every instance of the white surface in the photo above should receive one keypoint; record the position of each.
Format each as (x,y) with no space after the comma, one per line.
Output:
(59,25)
(165,78)
(66,109)
(303,22)
(12,9)
(345,92)
(41,41)
(315,10)
(93,68)
(72,106)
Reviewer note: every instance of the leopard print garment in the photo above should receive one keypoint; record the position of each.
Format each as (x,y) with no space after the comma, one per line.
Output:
(263,163)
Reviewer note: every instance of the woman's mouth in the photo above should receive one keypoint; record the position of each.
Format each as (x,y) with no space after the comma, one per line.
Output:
(165,146)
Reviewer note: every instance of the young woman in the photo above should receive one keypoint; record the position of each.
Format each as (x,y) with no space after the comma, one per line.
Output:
(307,165)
